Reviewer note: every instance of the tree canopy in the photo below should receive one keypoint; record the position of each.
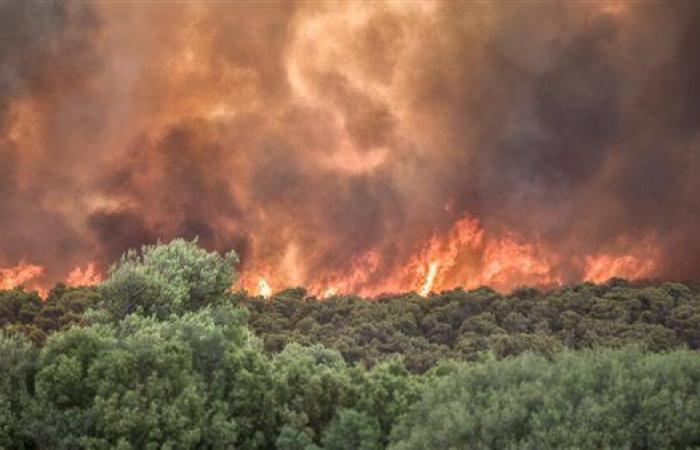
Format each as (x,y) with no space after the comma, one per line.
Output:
(161,280)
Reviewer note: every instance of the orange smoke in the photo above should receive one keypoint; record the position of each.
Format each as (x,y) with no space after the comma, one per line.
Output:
(353,147)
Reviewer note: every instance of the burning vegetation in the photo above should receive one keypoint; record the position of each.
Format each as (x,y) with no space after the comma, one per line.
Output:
(358,147)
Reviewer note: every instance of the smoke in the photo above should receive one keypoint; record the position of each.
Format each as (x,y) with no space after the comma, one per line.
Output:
(347,146)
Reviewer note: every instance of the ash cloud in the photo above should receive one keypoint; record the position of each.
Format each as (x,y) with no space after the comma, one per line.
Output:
(306,136)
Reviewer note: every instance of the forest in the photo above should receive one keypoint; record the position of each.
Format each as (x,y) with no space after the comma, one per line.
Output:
(164,355)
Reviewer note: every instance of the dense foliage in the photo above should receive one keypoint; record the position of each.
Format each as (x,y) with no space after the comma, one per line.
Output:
(26,313)
(161,280)
(162,355)
(198,380)
(467,325)
(603,399)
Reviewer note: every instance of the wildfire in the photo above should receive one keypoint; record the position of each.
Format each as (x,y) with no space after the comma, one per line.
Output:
(15,276)
(23,273)
(603,267)
(429,279)
(330,162)
(616,262)
(264,288)
(509,262)
(362,269)
(462,257)
(87,277)
(330,292)
(442,259)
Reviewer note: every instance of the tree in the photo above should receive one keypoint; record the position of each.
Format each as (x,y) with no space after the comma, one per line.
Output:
(352,430)
(18,307)
(166,279)
(385,393)
(196,380)
(17,362)
(293,439)
(62,411)
(311,383)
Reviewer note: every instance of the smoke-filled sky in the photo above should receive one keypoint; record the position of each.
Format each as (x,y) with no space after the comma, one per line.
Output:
(354,146)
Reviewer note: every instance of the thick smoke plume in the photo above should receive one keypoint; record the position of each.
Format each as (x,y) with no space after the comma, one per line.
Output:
(357,146)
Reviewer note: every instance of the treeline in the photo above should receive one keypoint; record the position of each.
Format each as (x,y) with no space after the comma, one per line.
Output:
(458,324)
(162,355)
(467,325)
(26,313)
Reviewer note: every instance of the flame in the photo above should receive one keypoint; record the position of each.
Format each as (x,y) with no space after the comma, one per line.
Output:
(603,267)
(429,279)
(264,288)
(15,276)
(362,269)
(509,262)
(87,277)
(461,257)
(617,262)
(330,292)
(446,253)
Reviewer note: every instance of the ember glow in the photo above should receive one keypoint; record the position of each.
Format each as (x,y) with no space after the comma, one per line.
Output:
(353,147)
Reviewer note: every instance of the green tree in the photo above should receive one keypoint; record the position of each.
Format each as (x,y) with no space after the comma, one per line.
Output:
(386,392)
(196,380)
(166,279)
(293,439)
(352,430)
(17,362)
(62,412)
(18,307)
(311,383)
